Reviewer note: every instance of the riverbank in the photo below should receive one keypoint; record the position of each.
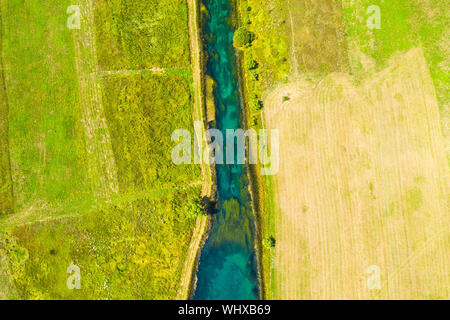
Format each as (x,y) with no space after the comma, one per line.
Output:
(260,186)
(203,223)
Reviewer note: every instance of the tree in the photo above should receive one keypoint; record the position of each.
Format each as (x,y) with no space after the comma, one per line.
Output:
(194,208)
(243,38)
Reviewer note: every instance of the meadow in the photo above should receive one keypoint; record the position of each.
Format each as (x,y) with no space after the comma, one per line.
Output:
(6,196)
(91,113)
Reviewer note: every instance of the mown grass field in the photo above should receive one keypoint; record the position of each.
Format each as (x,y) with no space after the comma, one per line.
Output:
(91,113)
(318,43)
(363,181)
(319,38)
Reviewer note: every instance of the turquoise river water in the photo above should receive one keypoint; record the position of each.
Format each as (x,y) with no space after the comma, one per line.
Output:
(228,263)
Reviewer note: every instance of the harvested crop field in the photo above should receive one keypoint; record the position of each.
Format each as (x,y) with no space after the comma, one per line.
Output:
(363,182)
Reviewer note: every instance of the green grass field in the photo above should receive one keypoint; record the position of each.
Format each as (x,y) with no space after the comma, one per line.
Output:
(46,139)
(142,112)
(404,24)
(142,34)
(65,91)
(268,20)
(86,118)
(133,249)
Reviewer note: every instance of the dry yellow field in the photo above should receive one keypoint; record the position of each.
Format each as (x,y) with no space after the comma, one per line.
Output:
(363,182)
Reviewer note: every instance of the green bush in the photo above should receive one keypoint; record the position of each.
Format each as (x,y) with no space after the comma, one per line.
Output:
(255,75)
(254,121)
(269,242)
(255,104)
(243,38)
(250,63)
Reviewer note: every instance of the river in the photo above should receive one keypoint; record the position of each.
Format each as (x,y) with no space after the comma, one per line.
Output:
(228,263)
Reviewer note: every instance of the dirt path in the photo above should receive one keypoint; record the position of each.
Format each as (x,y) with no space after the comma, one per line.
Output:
(101,74)
(201,225)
